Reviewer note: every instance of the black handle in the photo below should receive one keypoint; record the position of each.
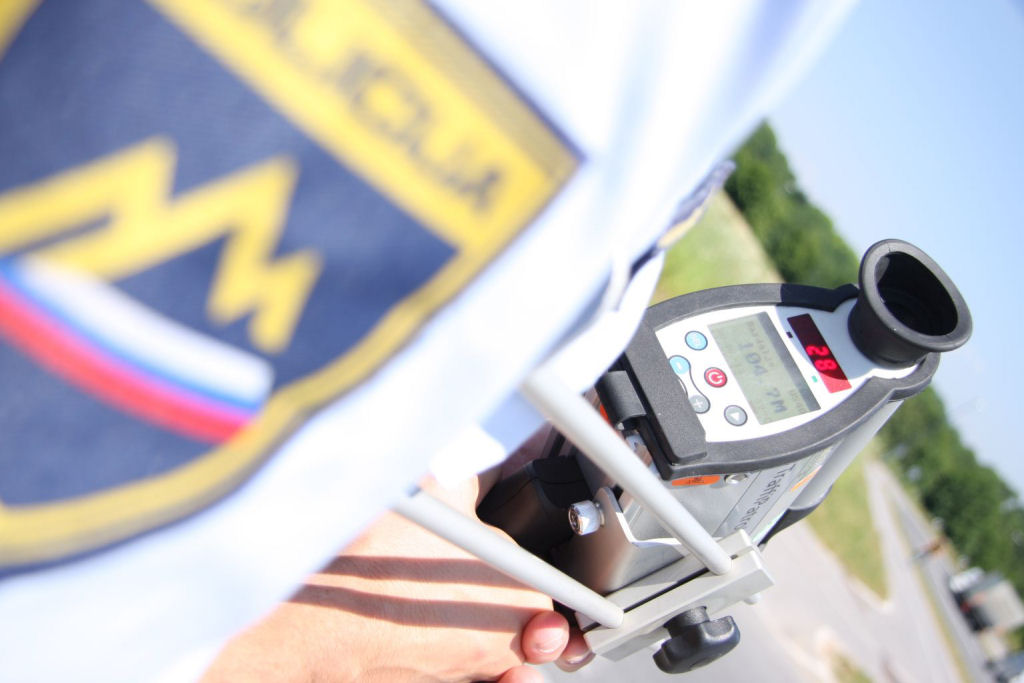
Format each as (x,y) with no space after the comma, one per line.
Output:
(695,641)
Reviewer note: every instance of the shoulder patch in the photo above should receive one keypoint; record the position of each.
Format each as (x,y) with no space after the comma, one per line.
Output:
(216,217)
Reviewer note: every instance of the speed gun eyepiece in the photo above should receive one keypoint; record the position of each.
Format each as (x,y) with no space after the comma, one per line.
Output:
(907,307)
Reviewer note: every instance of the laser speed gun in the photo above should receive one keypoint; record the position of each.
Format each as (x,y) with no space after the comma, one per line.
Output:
(736,409)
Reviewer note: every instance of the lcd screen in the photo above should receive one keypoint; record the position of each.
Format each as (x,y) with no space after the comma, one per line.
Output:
(761,364)
(819,353)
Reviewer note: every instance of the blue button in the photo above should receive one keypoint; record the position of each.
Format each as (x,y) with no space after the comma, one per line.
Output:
(696,341)
(680,365)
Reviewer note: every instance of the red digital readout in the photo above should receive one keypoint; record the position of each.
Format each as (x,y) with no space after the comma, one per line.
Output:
(820,354)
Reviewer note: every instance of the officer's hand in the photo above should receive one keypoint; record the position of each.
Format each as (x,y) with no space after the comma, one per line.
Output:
(401,604)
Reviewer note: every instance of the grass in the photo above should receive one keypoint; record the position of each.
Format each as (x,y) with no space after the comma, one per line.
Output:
(722,250)
(719,250)
(843,523)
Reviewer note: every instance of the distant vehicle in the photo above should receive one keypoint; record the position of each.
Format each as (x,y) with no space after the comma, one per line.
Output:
(965,579)
(1009,669)
(987,600)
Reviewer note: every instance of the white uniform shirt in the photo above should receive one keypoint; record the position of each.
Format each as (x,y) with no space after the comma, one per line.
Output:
(643,98)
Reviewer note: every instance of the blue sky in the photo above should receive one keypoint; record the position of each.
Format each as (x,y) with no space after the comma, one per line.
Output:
(911,125)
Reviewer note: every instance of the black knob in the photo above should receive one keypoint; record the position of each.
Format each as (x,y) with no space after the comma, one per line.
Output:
(907,307)
(695,641)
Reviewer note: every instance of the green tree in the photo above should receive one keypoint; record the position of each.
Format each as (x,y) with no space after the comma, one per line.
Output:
(798,236)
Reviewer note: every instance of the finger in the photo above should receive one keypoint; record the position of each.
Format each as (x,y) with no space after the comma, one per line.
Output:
(521,674)
(576,655)
(544,637)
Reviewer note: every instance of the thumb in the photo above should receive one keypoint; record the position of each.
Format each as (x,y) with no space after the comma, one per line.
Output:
(544,637)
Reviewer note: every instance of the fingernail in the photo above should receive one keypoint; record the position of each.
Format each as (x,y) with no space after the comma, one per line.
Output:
(549,645)
(579,659)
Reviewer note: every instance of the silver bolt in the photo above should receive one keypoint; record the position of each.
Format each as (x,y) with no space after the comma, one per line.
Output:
(585,517)
(735,478)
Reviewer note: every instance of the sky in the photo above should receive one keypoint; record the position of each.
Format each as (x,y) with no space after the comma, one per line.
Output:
(910,125)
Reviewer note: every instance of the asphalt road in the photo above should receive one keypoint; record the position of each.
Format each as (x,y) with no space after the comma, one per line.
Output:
(935,570)
(815,609)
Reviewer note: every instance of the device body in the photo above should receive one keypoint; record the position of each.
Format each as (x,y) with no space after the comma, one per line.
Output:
(747,402)
(742,422)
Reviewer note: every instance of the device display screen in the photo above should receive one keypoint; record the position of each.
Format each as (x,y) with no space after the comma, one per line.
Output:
(818,351)
(761,364)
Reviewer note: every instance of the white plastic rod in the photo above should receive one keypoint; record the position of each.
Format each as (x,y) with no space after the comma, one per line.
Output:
(580,423)
(841,458)
(507,557)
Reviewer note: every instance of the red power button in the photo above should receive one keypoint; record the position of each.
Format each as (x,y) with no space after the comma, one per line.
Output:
(715,377)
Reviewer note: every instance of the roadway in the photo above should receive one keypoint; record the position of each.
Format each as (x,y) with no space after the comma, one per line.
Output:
(816,609)
(936,569)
